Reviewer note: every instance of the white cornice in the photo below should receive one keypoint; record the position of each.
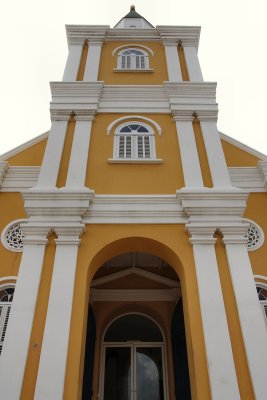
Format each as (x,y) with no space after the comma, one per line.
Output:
(248,178)
(188,35)
(3,170)
(78,34)
(134,209)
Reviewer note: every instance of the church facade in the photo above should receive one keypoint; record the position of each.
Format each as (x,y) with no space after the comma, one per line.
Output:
(133,252)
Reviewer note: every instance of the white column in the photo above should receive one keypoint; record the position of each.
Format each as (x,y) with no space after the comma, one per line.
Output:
(52,157)
(92,61)
(15,350)
(188,152)
(173,62)
(192,64)
(73,63)
(218,168)
(249,310)
(79,152)
(53,359)
(222,374)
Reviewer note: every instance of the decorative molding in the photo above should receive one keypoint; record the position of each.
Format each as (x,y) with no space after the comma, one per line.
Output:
(78,34)
(135,161)
(255,235)
(19,178)
(248,178)
(132,45)
(262,168)
(135,271)
(12,236)
(135,294)
(6,279)
(260,277)
(134,209)
(131,119)
(189,35)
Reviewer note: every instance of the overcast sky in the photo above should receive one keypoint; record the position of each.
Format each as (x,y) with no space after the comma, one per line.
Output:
(232,52)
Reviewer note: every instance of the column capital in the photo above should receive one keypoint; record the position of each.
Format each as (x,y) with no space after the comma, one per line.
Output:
(84,115)
(235,234)
(206,115)
(3,170)
(68,234)
(182,115)
(34,233)
(60,115)
(201,233)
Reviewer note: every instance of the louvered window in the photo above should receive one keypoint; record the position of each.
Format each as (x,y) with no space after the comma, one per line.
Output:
(6,297)
(262,294)
(133,59)
(134,140)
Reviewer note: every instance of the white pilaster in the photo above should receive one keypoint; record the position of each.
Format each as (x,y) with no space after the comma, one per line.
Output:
(73,63)
(92,61)
(52,366)
(188,151)
(52,157)
(79,152)
(3,170)
(173,62)
(222,375)
(250,314)
(218,168)
(192,64)
(15,350)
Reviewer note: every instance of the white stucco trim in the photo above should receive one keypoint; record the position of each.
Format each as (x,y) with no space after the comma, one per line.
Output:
(9,280)
(173,62)
(192,64)
(73,63)
(260,277)
(92,61)
(132,45)
(133,117)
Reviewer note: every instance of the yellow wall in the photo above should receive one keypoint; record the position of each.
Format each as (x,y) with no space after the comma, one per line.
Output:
(256,211)
(236,157)
(12,208)
(108,178)
(108,63)
(32,156)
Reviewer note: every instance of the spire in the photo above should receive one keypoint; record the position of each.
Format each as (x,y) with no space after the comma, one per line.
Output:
(133,20)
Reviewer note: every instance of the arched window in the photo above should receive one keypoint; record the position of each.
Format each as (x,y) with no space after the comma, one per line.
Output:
(262,294)
(134,140)
(133,59)
(6,297)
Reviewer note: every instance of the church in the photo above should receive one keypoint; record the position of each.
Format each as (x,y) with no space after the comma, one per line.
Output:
(133,259)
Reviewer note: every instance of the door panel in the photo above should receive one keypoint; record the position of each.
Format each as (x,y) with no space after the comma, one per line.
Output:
(149,376)
(118,373)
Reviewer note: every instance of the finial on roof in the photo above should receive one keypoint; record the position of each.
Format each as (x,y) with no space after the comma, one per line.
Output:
(132,8)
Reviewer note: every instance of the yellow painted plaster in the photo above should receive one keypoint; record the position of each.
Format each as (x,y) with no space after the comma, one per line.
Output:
(104,177)
(82,62)
(240,359)
(183,65)
(202,154)
(102,242)
(64,163)
(108,63)
(31,369)
(32,156)
(12,205)
(236,157)
(257,211)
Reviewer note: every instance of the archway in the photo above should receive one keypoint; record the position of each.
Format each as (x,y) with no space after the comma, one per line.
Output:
(133,283)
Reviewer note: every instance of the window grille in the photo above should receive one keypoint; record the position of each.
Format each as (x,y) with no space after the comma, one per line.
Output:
(6,297)
(262,294)
(134,140)
(133,59)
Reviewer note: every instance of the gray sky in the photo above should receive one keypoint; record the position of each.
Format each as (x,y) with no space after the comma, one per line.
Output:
(232,52)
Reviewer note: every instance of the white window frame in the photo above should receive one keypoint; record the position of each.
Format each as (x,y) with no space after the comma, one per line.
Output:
(5,309)
(132,62)
(132,143)
(263,303)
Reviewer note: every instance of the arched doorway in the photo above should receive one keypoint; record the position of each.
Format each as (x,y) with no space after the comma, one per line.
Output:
(130,294)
